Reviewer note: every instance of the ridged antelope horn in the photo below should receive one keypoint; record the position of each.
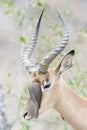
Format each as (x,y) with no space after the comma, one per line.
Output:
(27,54)
(44,64)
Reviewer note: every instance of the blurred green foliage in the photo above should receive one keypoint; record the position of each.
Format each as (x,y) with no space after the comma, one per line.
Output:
(24,96)
(12,9)
(9,3)
(83,34)
(79,82)
(24,125)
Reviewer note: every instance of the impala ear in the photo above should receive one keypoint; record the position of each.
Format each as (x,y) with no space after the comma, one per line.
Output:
(66,62)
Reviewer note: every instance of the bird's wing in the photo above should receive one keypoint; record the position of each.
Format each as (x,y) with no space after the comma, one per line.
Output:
(36,94)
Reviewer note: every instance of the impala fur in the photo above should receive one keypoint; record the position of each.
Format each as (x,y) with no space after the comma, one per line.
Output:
(57,94)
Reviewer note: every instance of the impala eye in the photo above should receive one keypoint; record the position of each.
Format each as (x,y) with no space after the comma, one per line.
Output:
(41,72)
(47,83)
(47,86)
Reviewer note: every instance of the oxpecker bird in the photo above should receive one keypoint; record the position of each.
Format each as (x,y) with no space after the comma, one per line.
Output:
(36,94)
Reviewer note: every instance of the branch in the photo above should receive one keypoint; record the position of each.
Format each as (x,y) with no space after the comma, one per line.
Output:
(4,125)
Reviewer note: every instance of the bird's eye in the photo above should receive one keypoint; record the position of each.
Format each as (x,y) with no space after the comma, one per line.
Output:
(46,83)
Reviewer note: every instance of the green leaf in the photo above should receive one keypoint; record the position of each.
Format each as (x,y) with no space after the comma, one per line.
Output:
(86,30)
(8,12)
(9,3)
(23,39)
(9,74)
(47,39)
(18,13)
(43,4)
(39,3)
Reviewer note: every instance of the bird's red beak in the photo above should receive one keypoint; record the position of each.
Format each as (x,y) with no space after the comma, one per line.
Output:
(40,83)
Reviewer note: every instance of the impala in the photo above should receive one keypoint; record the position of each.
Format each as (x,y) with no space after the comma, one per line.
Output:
(54,92)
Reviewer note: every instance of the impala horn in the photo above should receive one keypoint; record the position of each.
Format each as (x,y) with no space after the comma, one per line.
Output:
(27,54)
(44,64)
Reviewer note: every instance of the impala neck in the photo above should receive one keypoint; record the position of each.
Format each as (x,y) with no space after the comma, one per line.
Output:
(71,106)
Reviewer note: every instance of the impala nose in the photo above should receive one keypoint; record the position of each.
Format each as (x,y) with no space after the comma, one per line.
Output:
(27,116)
(30,110)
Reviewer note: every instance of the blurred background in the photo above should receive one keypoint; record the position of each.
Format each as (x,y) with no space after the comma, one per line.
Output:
(17,24)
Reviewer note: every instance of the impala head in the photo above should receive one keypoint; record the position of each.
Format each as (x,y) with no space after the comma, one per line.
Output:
(47,76)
